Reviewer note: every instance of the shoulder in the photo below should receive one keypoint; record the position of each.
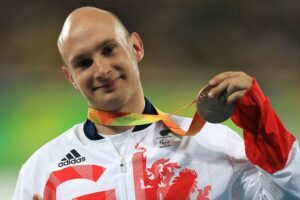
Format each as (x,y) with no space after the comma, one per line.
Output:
(35,171)
(48,151)
(209,130)
(215,137)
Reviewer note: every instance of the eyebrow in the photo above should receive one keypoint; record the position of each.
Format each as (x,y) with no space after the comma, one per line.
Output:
(97,47)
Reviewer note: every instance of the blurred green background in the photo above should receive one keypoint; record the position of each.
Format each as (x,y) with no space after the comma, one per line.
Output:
(186,43)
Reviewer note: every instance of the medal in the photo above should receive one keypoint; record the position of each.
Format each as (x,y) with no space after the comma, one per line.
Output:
(213,109)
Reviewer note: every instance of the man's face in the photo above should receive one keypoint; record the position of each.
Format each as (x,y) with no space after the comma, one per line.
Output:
(102,63)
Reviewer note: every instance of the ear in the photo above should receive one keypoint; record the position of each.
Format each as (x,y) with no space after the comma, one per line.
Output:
(138,46)
(69,76)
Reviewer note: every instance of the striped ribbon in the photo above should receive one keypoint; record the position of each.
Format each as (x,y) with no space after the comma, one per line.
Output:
(134,119)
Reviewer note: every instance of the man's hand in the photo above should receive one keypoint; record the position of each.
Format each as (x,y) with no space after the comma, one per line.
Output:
(233,84)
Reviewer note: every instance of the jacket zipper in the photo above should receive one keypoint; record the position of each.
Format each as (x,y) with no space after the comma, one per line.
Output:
(123,177)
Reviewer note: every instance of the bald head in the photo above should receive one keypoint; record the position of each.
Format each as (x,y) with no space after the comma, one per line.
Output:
(81,20)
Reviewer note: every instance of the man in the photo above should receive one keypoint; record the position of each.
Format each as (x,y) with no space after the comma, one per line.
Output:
(148,161)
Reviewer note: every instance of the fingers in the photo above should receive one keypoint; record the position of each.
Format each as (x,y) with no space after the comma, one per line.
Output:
(216,91)
(229,86)
(36,197)
(221,77)
(235,96)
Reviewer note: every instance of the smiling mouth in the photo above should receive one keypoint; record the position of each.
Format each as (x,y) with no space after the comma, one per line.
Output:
(108,85)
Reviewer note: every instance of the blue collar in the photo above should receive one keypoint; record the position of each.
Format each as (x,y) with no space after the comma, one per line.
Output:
(91,132)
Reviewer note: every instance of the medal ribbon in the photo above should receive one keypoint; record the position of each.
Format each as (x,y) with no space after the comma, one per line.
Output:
(134,119)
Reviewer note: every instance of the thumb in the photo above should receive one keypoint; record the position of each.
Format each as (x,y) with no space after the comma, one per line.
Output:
(36,197)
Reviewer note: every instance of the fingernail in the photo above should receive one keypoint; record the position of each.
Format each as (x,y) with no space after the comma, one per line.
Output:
(211,82)
(210,94)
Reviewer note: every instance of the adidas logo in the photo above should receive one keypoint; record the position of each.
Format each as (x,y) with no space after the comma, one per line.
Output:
(71,158)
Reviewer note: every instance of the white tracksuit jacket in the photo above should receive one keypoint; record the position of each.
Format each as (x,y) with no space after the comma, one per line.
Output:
(155,164)
(210,165)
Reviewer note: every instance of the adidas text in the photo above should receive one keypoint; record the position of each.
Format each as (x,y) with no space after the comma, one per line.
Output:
(72,161)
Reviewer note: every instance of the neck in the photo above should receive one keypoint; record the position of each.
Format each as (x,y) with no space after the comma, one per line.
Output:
(133,106)
(111,130)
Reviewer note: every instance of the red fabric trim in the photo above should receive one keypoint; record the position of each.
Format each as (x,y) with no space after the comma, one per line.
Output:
(267,142)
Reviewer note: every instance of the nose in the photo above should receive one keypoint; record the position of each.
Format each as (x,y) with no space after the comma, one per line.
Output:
(102,68)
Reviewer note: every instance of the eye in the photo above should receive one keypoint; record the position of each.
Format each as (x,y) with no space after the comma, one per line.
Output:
(108,50)
(85,62)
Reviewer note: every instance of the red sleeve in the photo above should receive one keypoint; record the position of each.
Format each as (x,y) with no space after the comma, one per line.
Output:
(267,142)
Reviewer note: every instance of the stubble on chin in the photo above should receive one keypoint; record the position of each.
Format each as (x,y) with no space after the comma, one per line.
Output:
(110,104)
